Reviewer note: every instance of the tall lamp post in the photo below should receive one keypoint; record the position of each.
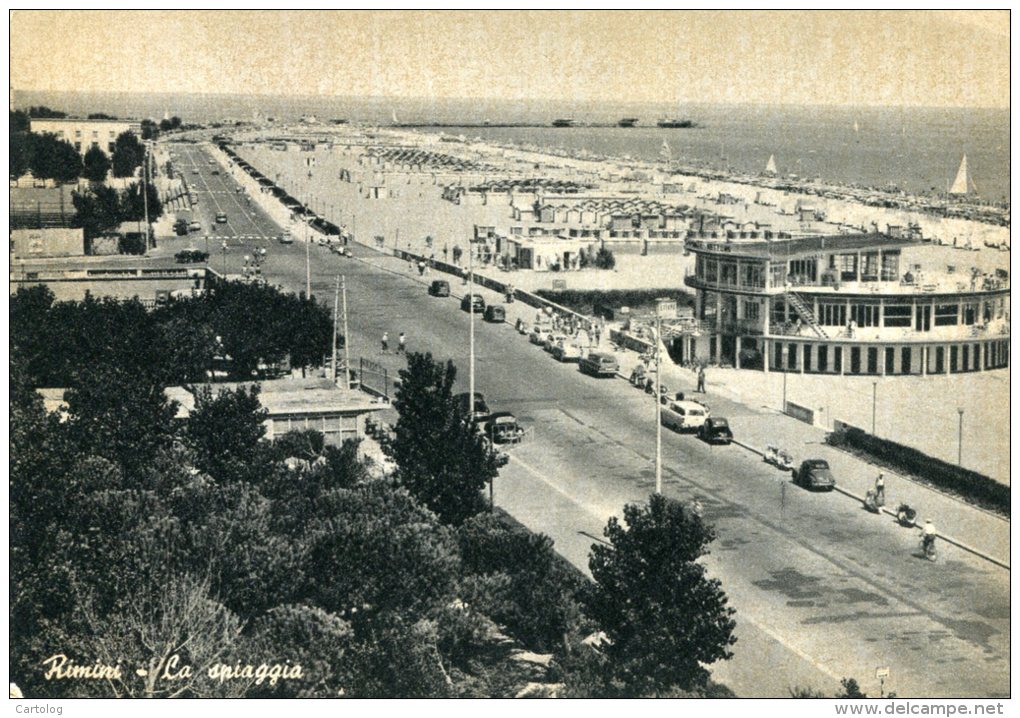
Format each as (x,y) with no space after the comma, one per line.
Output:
(874,398)
(658,397)
(959,439)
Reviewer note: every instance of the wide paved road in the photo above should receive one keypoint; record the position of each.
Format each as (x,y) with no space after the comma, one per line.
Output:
(822,588)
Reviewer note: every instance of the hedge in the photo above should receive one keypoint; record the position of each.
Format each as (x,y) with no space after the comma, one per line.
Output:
(586,301)
(980,489)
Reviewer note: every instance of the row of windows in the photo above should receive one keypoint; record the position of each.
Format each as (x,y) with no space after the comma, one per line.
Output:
(336,429)
(825,359)
(831,314)
(730,273)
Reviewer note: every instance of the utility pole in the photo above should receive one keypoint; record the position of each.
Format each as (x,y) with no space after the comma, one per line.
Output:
(145,193)
(874,398)
(471,330)
(336,307)
(347,336)
(658,397)
(308,264)
(959,440)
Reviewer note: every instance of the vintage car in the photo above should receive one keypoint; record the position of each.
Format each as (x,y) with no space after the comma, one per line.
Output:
(814,474)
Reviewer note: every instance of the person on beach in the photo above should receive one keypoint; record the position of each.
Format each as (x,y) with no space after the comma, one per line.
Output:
(701,380)
(401,344)
(880,489)
(385,342)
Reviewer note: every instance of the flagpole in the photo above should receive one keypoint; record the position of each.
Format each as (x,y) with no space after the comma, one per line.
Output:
(347,340)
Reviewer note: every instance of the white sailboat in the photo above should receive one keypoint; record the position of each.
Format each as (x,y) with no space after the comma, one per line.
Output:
(857,128)
(666,153)
(963,184)
(395,120)
(770,168)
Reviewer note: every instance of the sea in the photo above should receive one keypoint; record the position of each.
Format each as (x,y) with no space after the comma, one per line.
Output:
(914,149)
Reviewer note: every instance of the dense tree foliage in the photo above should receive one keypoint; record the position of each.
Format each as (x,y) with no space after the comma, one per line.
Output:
(97,165)
(46,156)
(174,343)
(442,458)
(158,542)
(664,619)
(128,154)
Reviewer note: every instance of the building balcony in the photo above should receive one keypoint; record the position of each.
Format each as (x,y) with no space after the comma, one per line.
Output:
(996,329)
(919,285)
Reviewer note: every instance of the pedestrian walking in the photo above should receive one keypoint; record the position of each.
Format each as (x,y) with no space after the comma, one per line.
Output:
(401,344)
(880,489)
(701,380)
(385,342)
(598,335)
(421,267)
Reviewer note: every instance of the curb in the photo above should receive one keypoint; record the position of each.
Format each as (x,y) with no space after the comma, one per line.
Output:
(948,539)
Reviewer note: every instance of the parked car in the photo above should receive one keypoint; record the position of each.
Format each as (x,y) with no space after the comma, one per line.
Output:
(716,430)
(215,172)
(194,226)
(552,339)
(495,313)
(684,415)
(599,364)
(221,218)
(814,474)
(566,350)
(439,288)
(481,408)
(502,428)
(285,238)
(538,334)
(473,303)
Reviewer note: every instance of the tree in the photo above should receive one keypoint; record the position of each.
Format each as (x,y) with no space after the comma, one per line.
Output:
(128,154)
(150,130)
(42,111)
(97,210)
(97,164)
(52,158)
(19,121)
(225,430)
(133,207)
(664,619)
(101,116)
(604,259)
(441,457)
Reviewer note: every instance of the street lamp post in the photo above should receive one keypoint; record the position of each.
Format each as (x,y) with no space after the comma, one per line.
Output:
(308,264)
(658,398)
(786,370)
(224,259)
(959,440)
(874,398)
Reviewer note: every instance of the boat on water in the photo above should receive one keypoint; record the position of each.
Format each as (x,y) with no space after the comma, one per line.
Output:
(627,122)
(770,168)
(963,184)
(564,122)
(675,122)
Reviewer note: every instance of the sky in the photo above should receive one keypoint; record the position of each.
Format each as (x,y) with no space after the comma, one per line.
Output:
(952,59)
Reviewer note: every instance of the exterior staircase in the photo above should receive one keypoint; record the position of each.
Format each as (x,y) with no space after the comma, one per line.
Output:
(804,312)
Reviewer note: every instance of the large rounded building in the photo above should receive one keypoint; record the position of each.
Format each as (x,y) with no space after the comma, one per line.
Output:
(846,304)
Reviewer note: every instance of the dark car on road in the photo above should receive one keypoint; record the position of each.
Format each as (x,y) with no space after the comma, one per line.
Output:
(495,313)
(181,227)
(599,364)
(221,218)
(716,430)
(814,474)
(439,288)
(481,408)
(473,303)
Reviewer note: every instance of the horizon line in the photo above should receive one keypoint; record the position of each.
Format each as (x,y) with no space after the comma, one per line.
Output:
(749,103)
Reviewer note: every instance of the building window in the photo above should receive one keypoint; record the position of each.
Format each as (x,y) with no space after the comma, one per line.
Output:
(778,314)
(855,360)
(873,360)
(752,275)
(946,315)
(905,360)
(890,266)
(807,357)
(897,315)
(752,310)
(970,311)
(823,357)
(777,275)
(890,360)
(111,147)
(865,315)
(848,267)
(831,315)
(837,359)
(869,266)
(728,273)
(803,271)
